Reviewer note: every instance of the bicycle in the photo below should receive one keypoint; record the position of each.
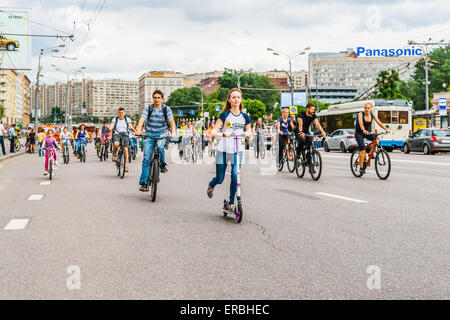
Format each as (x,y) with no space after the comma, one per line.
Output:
(97,147)
(155,164)
(103,149)
(66,153)
(288,156)
(212,147)
(192,152)
(82,150)
(17,145)
(199,147)
(238,211)
(382,159)
(259,147)
(313,162)
(51,162)
(120,160)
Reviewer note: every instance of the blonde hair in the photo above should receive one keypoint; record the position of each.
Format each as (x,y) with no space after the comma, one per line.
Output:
(227,106)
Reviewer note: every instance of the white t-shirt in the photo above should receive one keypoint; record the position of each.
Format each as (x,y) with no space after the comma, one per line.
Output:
(2,128)
(122,126)
(233,124)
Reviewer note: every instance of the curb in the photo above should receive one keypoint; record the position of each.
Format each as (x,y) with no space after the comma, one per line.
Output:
(9,156)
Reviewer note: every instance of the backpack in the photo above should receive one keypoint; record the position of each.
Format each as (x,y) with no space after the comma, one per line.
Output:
(356,120)
(150,111)
(115,124)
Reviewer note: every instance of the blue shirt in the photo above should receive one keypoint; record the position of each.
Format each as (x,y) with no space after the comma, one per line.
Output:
(12,132)
(284,125)
(157,123)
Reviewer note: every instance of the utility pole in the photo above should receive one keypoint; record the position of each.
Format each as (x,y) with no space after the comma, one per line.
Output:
(36,93)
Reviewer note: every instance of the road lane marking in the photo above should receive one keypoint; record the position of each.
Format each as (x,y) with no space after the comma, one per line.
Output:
(423,162)
(17,224)
(45,183)
(340,197)
(35,197)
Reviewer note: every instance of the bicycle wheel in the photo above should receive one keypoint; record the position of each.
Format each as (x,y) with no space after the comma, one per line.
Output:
(194,155)
(84,154)
(382,164)
(262,151)
(122,165)
(256,151)
(17,146)
(315,167)
(290,159)
(300,167)
(50,168)
(155,179)
(281,162)
(354,163)
(102,151)
(119,156)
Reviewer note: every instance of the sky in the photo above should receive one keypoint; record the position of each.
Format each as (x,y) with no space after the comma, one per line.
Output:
(123,39)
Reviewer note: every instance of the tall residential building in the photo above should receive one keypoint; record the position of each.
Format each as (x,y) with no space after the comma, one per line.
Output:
(333,71)
(166,81)
(14,96)
(106,96)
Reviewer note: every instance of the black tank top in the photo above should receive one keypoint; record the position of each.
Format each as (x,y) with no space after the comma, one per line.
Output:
(366,124)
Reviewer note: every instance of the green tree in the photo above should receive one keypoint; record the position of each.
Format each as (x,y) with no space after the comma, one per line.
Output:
(387,85)
(211,107)
(2,111)
(220,94)
(185,96)
(255,108)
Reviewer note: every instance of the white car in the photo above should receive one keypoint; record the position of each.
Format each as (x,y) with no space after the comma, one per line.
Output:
(341,139)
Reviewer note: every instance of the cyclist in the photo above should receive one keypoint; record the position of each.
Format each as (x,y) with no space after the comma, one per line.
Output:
(133,138)
(258,127)
(180,139)
(65,138)
(158,117)
(121,125)
(189,133)
(283,124)
(81,137)
(32,136)
(363,124)
(50,142)
(230,120)
(305,119)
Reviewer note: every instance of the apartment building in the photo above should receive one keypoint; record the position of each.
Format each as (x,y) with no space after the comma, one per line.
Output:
(15,97)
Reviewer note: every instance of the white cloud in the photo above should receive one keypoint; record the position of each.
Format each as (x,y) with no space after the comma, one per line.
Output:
(133,37)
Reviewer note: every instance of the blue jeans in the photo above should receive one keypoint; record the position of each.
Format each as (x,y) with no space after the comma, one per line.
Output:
(222,159)
(133,144)
(148,151)
(41,151)
(79,145)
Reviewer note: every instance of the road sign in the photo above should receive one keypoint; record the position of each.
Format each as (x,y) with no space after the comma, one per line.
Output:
(180,112)
(293,110)
(410,103)
(442,106)
(192,112)
(217,108)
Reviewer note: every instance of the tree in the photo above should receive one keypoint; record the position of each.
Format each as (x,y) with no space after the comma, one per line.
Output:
(185,97)
(388,85)
(255,108)
(211,107)
(229,80)
(220,94)
(2,111)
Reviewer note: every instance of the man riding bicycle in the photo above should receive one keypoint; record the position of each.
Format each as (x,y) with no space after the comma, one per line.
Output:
(120,128)
(106,134)
(304,121)
(158,117)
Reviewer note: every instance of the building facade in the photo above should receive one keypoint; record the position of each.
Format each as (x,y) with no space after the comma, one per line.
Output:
(346,70)
(15,97)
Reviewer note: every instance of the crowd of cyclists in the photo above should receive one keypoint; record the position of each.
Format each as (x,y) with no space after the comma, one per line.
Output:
(157,121)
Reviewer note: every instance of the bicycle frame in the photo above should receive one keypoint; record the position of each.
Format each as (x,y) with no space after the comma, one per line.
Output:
(373,145)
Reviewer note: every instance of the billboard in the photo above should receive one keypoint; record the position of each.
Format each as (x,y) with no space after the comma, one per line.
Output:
(15,42)
(299,99)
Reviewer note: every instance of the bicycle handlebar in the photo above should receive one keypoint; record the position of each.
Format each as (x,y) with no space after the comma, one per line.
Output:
(158,138)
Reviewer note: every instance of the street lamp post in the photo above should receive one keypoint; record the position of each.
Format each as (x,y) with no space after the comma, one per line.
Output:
(290,57)
(38,75)
(240,75)
(317,89)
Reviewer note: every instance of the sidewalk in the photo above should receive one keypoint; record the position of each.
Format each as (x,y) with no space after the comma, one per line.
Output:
(11,155)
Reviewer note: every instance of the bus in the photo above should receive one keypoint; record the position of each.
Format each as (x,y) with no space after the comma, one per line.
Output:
(395,114)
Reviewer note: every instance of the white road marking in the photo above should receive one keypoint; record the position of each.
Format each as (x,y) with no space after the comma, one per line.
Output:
(340,197)
(45,183)
(35,197)
(17,224)
(423,162)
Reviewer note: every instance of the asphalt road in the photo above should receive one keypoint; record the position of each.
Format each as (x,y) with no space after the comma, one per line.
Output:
(299,239)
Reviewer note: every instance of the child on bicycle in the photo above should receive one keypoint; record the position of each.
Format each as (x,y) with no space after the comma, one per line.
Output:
(50,143)
(231,120)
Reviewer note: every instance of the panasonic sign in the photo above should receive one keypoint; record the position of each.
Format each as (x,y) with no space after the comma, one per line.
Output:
(363,52)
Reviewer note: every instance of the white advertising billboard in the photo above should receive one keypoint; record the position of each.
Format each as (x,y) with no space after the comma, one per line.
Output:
(15,42)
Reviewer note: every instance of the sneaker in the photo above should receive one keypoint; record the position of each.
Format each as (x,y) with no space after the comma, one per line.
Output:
(45,173)
(210,191)
(114,158)
(163,169)
(229,206)
(144,188)
(362,171)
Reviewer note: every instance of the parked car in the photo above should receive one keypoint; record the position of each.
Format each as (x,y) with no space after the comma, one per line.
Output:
(428,141)
(341,139)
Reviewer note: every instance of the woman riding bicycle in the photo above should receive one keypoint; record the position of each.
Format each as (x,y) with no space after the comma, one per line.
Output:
(81,137)
(65,138)
(283,124)
(189,133)
(49,143)
(363,125)
(231,120)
